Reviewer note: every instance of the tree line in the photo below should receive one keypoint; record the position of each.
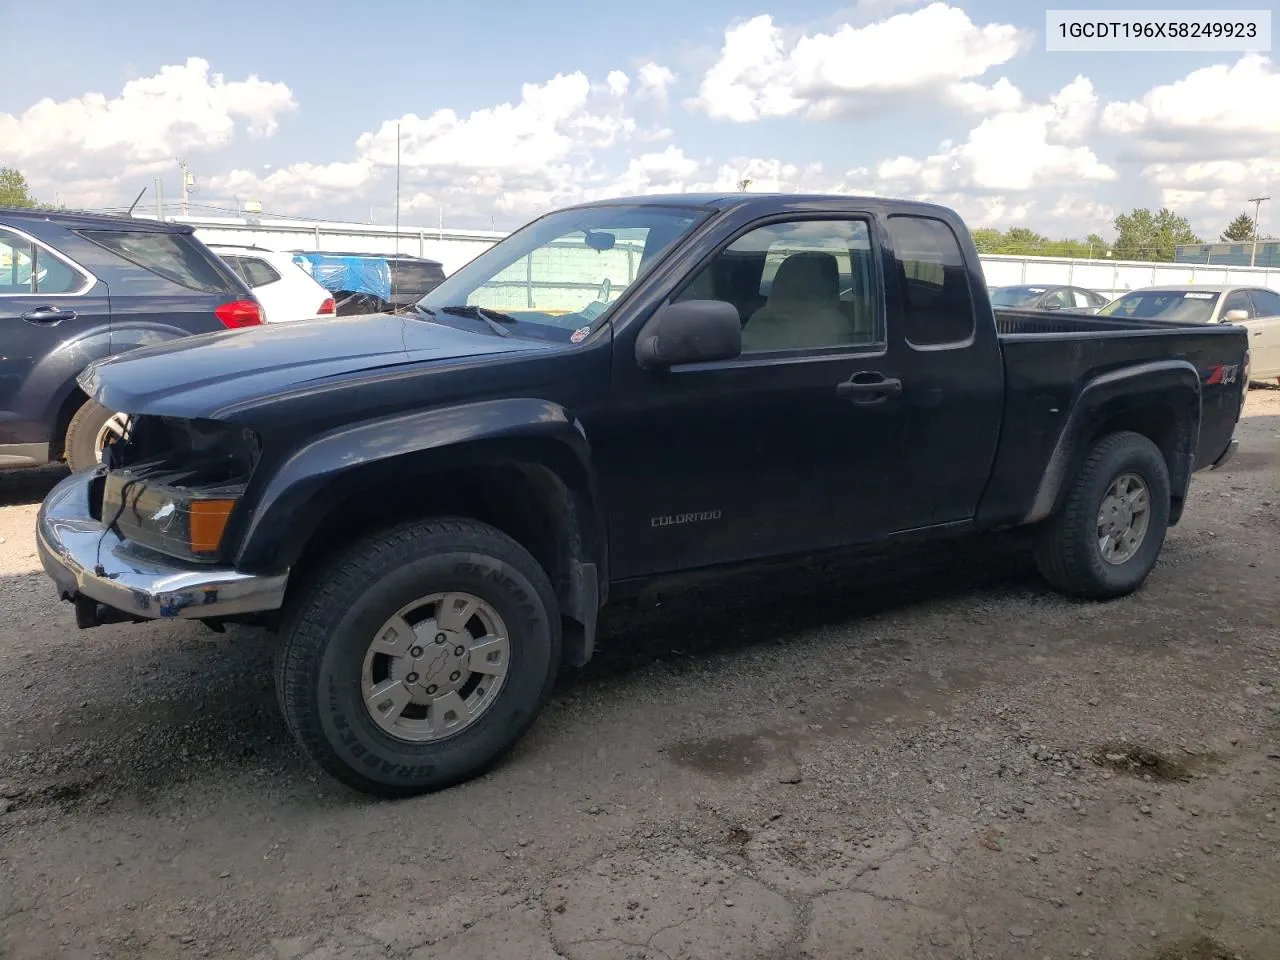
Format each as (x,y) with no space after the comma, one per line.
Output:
(1140,235)
(14,192)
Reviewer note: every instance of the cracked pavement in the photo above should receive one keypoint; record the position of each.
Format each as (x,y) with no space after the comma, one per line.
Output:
(936,759)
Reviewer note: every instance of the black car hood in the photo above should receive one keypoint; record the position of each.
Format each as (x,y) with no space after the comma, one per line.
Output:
(198,376)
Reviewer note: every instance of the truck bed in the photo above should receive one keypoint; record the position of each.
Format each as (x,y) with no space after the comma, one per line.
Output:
(1050,357)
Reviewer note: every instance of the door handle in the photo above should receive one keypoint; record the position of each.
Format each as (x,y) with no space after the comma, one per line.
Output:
(862,389)
(48,315)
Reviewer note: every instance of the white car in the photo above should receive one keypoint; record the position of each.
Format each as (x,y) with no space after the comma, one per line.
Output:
(285,291)
(1257,309)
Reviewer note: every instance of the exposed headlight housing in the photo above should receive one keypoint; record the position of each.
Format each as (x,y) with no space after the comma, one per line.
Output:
(175,484)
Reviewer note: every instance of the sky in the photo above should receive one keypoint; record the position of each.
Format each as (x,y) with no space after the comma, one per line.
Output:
(506,110)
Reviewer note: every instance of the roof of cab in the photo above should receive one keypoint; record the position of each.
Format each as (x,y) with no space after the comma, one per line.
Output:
(765,201)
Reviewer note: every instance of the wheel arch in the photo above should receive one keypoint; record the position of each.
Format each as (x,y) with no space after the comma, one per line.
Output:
(522,467)
(1159,400)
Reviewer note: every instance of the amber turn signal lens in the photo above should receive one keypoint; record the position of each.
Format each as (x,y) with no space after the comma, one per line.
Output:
(207,524)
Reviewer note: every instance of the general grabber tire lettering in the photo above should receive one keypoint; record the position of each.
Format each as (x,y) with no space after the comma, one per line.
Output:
(413,609)
(1101,544)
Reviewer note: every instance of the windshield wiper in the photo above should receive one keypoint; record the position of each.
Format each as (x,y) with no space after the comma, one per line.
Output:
(490,317)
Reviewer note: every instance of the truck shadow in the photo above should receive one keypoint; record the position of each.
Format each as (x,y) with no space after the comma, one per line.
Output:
(699,620)
(163,705)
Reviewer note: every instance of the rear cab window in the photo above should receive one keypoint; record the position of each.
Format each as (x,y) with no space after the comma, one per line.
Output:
(936,300)
(177,257)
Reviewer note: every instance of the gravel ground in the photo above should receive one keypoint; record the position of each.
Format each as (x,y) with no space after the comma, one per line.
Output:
(947,761)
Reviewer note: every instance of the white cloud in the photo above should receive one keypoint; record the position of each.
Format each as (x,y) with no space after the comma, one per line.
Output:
(617,82)
(1212,139)
(655,82)
(513,157)
(1012,151)
(183,108)
(1215,112)
(762,73)
(1001,95)
(669,171)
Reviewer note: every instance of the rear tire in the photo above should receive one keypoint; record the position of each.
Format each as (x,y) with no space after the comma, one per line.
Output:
(1087,549)
(82,442)
(334,636)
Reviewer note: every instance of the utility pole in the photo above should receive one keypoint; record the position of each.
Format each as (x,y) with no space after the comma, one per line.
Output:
(1257,205)
(397,186)
(186,186)
(159,198)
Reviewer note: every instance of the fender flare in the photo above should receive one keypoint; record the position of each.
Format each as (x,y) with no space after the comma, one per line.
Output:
(1172,383)
(309,481)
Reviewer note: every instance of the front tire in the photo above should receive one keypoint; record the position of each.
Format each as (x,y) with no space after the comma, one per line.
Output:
(1106,538)
(373,694)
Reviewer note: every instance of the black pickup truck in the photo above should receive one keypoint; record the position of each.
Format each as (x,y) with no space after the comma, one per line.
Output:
(431,508)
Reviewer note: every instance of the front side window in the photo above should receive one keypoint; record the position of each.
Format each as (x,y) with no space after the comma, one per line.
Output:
(937,307)
(559,274)
(1237,300)
(26,268)
(1058,300)
(800,285)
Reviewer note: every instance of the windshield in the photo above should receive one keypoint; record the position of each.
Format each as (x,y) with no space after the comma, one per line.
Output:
(1178,306)
(1014,296)
(560,273)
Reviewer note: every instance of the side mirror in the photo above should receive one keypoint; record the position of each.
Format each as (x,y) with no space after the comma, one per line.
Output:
(1235,316)
(690,331)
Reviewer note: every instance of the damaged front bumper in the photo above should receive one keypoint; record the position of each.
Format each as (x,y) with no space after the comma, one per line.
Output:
(110,579)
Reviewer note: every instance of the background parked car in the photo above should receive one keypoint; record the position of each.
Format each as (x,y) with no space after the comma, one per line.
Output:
(285,290)
(370,282)
(1256,308)
(1047,297)
(75,288)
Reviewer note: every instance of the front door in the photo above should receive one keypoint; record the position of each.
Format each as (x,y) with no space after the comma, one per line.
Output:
(796,445)
(1264,334)
(54,319)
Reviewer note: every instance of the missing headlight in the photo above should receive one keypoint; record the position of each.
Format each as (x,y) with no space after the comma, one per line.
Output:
(174,484)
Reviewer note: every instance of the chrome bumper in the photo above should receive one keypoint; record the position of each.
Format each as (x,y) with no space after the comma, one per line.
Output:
(1227,454)
(86,559)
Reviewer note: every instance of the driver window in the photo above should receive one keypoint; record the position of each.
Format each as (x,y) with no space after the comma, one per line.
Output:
(800,285)
(1237,300)
(1057,301)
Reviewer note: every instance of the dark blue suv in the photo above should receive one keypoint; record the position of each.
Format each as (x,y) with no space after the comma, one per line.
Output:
(75,288)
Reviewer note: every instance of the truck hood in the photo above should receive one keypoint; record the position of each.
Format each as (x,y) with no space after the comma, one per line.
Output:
(197,376)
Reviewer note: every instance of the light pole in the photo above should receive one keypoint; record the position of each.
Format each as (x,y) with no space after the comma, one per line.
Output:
(1257,205)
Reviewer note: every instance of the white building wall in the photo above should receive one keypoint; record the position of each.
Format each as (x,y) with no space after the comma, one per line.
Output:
(453,248)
